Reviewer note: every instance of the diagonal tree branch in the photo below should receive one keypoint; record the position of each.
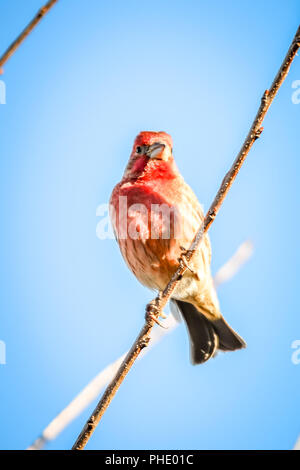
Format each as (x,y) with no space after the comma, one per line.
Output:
(91,391)
(14,46)
(234,264)
(297,445)
(157,305)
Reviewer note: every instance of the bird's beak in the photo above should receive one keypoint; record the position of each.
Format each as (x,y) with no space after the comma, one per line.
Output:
(155,150)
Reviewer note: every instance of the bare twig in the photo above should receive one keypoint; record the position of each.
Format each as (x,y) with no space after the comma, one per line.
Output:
(297,445)
(94,387)
(234,264)
(14,46)
(156,306)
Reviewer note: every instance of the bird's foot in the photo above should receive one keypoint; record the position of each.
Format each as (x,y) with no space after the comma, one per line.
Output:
(183,261)
(153,312)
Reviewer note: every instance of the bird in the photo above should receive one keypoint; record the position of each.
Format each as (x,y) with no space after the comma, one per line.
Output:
(155,216)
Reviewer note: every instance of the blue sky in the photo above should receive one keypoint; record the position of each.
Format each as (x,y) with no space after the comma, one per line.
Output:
(89,78)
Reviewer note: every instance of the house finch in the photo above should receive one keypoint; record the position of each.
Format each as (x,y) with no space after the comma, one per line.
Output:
(155,216)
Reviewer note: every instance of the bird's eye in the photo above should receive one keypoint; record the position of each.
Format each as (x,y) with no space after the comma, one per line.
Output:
(138,149)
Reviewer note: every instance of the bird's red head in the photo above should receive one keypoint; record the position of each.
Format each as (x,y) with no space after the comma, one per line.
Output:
(148,138)
(150,149)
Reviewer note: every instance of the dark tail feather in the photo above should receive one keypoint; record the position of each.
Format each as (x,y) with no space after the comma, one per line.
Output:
(229,340)
(207,336)
(203,339)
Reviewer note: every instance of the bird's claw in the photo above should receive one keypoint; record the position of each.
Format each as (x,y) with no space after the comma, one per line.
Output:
(153,313)
(183,261)
(153,317)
